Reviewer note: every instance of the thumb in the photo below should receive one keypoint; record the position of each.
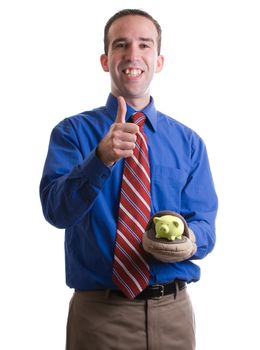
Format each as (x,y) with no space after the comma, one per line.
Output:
(121,111)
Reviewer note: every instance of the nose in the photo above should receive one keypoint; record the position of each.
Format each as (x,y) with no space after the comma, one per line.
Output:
(164,229)
(132,53)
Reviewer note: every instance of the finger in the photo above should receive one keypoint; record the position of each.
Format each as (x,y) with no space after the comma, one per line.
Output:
(125,146)
(129,136)
(121,111)
(124,132)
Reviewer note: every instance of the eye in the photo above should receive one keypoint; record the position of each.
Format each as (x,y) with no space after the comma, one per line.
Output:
(144,46)
(120,45)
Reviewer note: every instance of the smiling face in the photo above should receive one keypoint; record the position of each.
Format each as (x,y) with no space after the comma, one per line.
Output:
(132,58)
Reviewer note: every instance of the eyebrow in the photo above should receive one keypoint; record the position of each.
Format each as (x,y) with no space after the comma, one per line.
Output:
(126,39)
(147,39)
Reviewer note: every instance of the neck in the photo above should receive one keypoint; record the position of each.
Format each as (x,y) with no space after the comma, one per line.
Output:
(138,104)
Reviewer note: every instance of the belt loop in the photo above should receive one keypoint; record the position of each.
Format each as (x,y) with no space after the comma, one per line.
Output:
(176,289)
(107,293)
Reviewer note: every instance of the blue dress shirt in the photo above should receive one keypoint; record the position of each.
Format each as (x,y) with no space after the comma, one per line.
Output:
(79,193)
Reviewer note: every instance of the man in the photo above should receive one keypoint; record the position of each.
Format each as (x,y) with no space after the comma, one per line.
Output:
(81,191)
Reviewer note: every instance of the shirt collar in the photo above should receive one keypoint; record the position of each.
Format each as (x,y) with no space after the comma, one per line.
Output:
(149,111)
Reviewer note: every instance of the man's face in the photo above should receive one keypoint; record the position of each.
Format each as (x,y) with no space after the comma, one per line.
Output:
(132,58)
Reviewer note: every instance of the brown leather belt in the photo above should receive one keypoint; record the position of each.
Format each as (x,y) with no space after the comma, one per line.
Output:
(157,290)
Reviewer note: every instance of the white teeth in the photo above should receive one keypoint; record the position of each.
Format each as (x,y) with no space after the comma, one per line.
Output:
(133,72)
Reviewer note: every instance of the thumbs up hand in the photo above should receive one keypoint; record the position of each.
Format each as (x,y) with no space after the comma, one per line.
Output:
(120,140)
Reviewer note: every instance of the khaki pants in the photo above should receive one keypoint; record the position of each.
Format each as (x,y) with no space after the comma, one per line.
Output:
(101,321)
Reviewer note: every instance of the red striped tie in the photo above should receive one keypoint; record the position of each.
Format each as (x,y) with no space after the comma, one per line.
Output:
(131,271)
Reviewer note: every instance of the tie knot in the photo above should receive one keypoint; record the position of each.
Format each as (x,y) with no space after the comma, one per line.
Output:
(139,118)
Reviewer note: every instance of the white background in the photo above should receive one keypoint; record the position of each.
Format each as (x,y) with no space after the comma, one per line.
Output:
(211,80)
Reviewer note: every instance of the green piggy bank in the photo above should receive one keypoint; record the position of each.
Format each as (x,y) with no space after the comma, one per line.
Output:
(168,226)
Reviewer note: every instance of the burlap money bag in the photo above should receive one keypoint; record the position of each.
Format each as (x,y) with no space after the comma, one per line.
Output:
(165,250)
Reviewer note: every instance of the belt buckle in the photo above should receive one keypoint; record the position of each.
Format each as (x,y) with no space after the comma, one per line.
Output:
(161,290)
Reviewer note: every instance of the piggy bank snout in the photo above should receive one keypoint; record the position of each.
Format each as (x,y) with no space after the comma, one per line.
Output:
(164,228)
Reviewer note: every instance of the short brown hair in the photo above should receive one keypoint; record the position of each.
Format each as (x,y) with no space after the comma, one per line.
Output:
(131,12)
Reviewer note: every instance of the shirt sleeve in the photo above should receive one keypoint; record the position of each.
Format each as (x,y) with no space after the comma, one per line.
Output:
(199,199)
(70,182)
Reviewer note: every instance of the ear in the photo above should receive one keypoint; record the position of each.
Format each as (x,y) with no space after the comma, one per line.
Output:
(156,219)
(160,62)
(104,62)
